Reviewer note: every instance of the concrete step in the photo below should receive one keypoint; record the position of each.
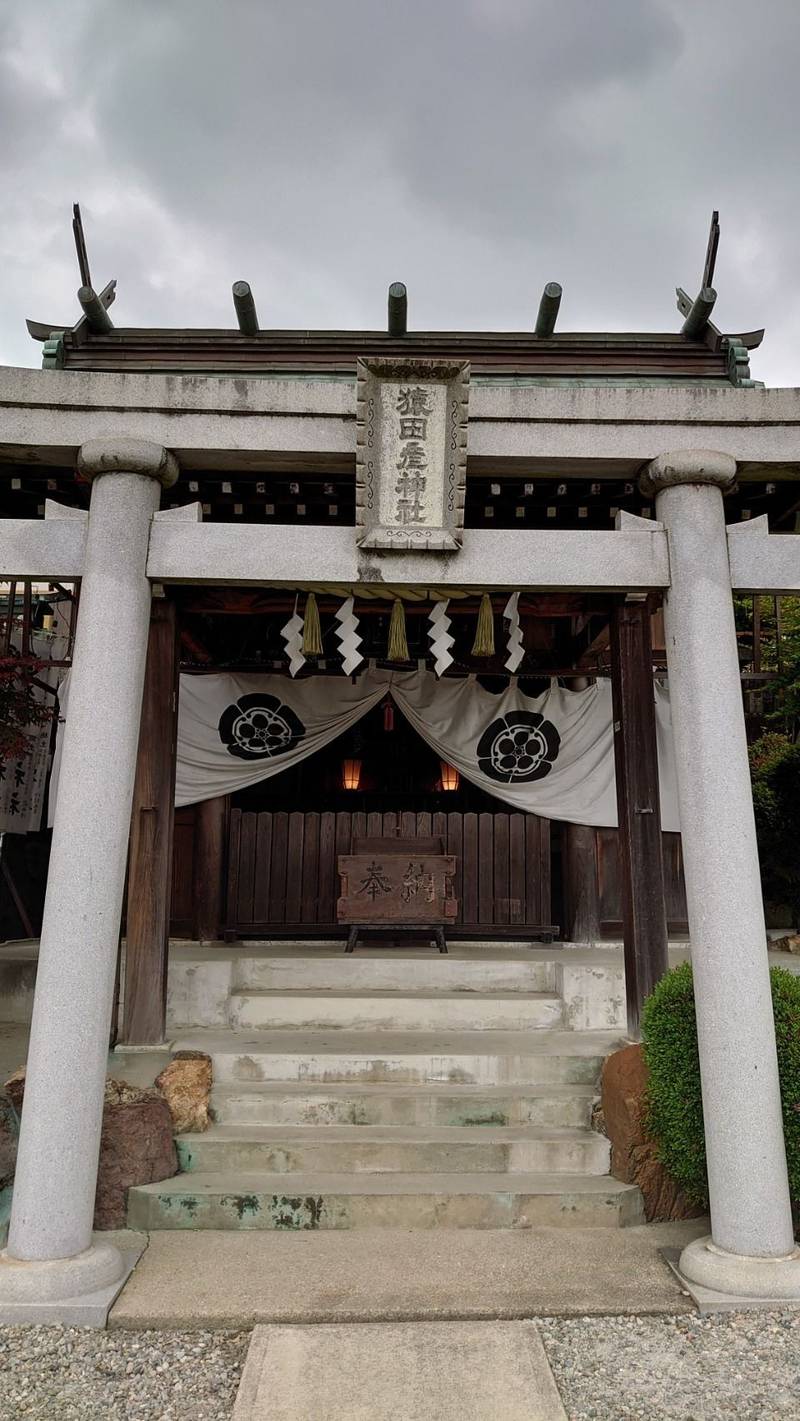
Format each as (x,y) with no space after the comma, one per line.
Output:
(379,1149)
(232,1200)
(394,1011)
(490,1058)
(384,970)
(298,1103)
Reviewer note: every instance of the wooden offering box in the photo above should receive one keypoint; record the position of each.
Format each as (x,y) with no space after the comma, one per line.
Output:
(402,884)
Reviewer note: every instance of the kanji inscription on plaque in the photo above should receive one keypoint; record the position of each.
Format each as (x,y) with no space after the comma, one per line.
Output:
(406,887)
(411,453)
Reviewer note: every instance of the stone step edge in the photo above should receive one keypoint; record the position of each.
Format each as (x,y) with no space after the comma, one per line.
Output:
(399,1090)
(311,1182)
(381,994)
(391,1134)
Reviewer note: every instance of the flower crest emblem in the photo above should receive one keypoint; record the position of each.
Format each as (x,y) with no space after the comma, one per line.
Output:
(518,747)
(257,727)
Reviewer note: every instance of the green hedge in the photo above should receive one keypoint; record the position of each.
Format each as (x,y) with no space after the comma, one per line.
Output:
(675,1112)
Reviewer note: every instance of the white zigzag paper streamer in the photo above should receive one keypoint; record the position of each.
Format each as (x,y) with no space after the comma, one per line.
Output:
(439,637)
(348,638)
(516,651)
(292,635)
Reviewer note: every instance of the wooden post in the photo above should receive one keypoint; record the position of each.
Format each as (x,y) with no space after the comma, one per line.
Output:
(209,867)
(150,854)
(579,878)
(640,849)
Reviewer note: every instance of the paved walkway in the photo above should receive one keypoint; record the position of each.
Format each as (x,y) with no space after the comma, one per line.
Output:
(417,1371)
(228,1279)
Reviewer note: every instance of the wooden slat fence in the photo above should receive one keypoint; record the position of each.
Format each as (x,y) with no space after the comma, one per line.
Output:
(282,867)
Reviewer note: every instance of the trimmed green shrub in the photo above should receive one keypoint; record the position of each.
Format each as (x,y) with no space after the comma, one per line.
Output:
(775,774)
(675,1111)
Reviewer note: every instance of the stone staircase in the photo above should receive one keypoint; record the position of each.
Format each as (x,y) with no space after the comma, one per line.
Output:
(402,1089)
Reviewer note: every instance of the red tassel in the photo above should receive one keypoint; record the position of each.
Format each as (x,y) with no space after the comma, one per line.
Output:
(388,717)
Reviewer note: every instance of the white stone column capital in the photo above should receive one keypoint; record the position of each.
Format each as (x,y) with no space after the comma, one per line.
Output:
(689,466)
(124,454)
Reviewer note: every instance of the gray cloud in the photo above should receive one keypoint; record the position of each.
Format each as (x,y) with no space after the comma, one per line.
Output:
(473,148)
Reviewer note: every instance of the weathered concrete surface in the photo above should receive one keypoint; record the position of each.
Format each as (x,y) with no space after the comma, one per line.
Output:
(212,1279)
(313,1201)
(452,1371)
(91,1308)
(216,422)
(409,1010)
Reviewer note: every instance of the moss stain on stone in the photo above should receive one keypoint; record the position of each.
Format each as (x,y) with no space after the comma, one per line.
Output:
(242,1204)
(189,1205)
(492,1117)
(296,1213)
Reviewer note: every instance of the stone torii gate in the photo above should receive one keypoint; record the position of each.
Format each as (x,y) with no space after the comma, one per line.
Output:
(129,434)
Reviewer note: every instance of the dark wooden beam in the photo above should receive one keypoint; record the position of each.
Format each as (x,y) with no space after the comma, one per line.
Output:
(640,847)
(150,856)
(245,307)
(97,317)
(548,310)
(397,309)
(209,867)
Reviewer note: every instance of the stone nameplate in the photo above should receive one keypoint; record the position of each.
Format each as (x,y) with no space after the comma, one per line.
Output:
(397,888)
(411,453)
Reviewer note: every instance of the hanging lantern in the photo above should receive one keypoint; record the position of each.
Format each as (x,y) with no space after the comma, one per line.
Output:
(351,774)
(451,779)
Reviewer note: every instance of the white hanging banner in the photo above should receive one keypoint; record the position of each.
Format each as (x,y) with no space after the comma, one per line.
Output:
(348,638)
(236,730)
(516,651)
(439,636)
(551,755)
(292,635)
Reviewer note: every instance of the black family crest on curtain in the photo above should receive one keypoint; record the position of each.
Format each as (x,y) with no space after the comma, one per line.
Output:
(258,726)
(518,747)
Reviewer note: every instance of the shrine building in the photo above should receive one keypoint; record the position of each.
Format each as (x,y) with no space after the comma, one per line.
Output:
(400,728)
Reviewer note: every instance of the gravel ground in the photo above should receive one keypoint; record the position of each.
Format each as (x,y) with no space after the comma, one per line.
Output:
(72,1374)
(742,1365)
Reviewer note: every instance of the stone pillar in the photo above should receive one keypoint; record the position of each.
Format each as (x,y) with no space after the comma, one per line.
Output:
(751,1250)
(50,1253)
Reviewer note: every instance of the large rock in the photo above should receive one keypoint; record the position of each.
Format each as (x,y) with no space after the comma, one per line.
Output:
(634,1157)
(186,1086)
(9,1130)
(136,1145)
(789,943)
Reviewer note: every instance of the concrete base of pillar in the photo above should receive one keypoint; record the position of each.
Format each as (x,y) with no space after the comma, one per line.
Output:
(721,1282)
(71,1292)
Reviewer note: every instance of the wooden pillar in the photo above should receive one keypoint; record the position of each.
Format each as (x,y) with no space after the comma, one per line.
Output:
(579,877)
(644,916)
(150,854)
(209,867)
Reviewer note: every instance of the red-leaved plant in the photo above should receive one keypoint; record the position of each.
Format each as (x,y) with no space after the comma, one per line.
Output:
(20,712)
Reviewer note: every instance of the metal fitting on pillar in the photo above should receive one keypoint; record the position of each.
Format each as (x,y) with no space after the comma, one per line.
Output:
(127,455)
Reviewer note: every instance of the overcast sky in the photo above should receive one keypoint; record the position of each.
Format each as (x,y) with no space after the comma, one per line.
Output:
(471,148)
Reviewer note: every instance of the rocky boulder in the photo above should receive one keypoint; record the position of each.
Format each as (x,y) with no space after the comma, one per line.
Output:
(9,1130)
(634,1157)
(186,1086)
(136,1145)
